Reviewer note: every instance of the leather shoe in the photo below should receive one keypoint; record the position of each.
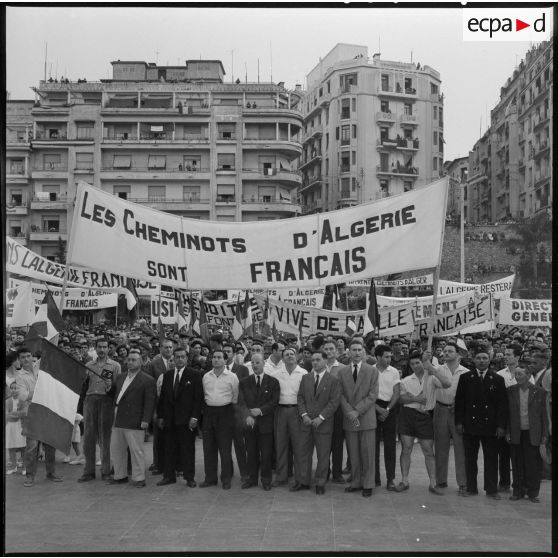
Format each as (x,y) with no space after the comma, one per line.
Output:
(123,480)
(401,487)
(494,496)
(391,486)
(471,493)
(191,483)
(378,483)
(366,492)
(534,499)
(320,490)
(503,488)
(462,491)
(156,472)
(139,484)
(205,484)
(515,497)
(164,482)
(338,480)
(266,487)
(226,486)
(298,486)
(86,478)
(54,478)
(279,483)
(247,484)
(353,488)
(435,490)
(442,485)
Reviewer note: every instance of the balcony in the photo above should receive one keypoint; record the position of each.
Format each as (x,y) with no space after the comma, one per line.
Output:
(541,148)
(397,91)
(135,172)
(17,207)
(50,170)
(386,143)
(540,121)
(311,182)
(388,117)
(191,203)
(275,174)
(171,139)
(20,237)
(46,201)
(541,179)
(44,136)
(315,157)
(410,119)
(312,207)
(43,234)
(290,147)
(256,110)
(411,172)
(226,136)
(408,144)
(264,204)
(17,173)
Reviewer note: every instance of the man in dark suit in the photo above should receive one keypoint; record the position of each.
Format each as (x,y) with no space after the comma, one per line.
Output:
(134,400)
(156,367)
(178,412)
(258,397)
(527,431)
(481,412)
(359,391)
(240,450)
(318,398)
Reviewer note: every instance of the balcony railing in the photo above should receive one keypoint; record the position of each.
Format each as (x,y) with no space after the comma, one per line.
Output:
(410,171)
(194,198)
(45,229)
(16,171)
(385,117)
(49,198)
(230,136)
(265,199)
(409,119)
(273,171)
(177,169)
(44,136)
(52,167)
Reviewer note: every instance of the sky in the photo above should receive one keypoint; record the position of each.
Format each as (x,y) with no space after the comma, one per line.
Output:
(288,42)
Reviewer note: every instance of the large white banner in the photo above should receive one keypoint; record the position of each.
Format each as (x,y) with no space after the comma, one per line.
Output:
(499,289)
(313,297)
(456,320)
(418,281)
(395,320)
(395,234)
(521,312)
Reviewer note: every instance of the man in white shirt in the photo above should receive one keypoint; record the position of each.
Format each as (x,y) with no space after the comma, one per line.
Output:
(386,414)
(220,388)
(287,428)
(275,360)
(418,397)
(444,423)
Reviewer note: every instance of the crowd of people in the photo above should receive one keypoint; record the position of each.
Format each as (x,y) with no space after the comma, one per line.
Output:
(277,402)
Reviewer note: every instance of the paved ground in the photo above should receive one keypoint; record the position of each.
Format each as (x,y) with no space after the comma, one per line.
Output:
(94,517)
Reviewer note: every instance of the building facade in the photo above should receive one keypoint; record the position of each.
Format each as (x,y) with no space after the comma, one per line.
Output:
(457,170)
(510,167)
(177,139)
(371,129)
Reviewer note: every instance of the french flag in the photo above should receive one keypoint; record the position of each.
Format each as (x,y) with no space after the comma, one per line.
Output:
(52,411)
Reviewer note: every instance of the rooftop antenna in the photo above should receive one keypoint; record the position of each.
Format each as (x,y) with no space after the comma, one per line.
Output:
(232,65)
(56,73)
(411,56)
(46,51)
(270,62)
(156,57)
(50,70)
(246,72)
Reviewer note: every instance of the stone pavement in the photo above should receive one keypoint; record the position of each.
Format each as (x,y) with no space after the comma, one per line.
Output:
(94,517)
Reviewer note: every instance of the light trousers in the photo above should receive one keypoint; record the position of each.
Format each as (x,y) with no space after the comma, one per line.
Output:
(444,430)
(121,440)
(362,451)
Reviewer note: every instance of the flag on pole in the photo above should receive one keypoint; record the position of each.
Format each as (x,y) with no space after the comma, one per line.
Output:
(48,321)
(237,330)
(20,306)
(52,411)
(131,298)
(181,313)
(203,321)
(300,341)
(266,327)
(351,326)
(372,316)
(160,330)
(247,322)
(274,331)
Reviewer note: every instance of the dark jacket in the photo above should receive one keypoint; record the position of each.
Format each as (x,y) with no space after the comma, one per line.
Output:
(266,400)
(324,403)
(538,419)
(481,406)
(137,402)
(178,410)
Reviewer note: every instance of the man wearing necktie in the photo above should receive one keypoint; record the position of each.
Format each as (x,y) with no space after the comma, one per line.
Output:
(318,398)
(359,391)
(134,402)
(257,400)
(178,412)
(481,412)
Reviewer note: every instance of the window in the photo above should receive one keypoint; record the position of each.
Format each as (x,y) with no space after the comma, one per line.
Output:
(327,141)
(409,85)
(191,193)
(435,138)
(353,105)
(434,163)
(353,157)
(384,134)
(385,82)
(384,162)
(337,132)
(346,81)
(226,130)
(122,161)
(328,87)
(51,161)
(51,224)
(15,227)
(122,191)
(17,166)
(345,161)
(407,133)
(157,162)
(321,92)
(225,161)
(266,194)
(465,193)
(84,161)
(407,186)
(85,130)
(384,187)
(345,188)
(408,108)
(345,135)
(225,193)
(384,106)
(433,89)
(353,184)
(16,198)
(53,191)
(192,163)
(345,109)
(156,193)
(354,131)
(435,113)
